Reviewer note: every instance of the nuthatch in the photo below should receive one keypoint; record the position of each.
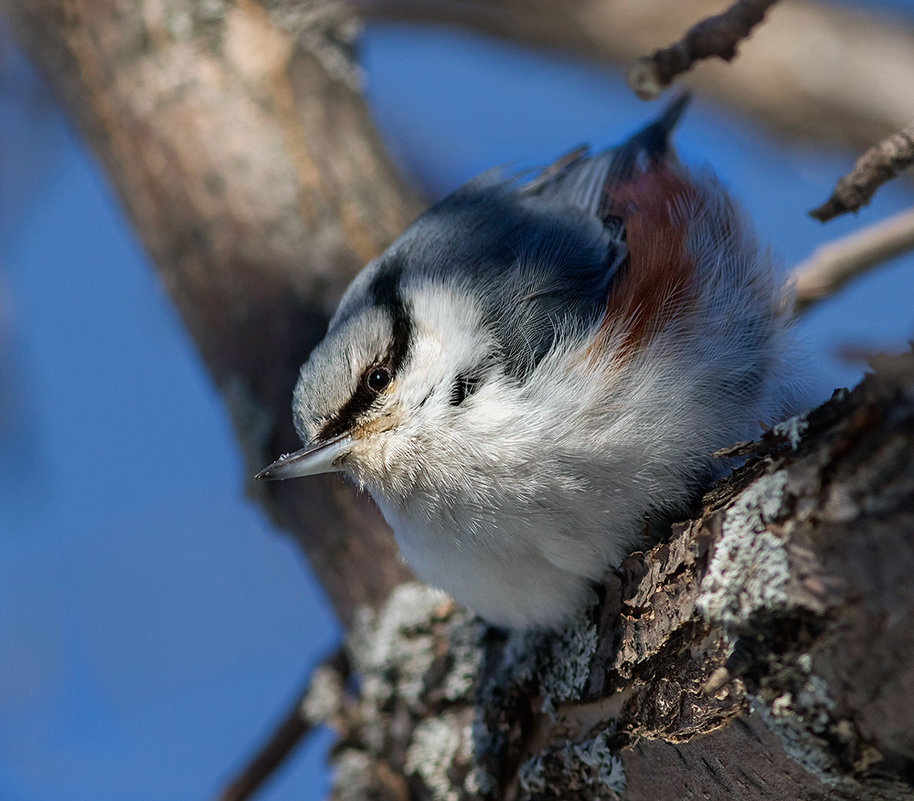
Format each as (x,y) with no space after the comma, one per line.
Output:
(538,370)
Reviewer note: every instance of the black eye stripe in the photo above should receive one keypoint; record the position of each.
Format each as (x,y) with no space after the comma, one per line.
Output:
(385,292)
(359,402)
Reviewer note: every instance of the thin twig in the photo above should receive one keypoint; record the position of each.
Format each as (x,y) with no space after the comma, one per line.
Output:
(293,727)
(714,36)
(879,164)
(834,264)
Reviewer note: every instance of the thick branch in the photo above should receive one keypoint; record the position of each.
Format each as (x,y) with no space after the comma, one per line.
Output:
(879,164)
(714,37)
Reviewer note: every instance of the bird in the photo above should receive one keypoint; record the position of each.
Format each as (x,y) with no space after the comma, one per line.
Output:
(535,374)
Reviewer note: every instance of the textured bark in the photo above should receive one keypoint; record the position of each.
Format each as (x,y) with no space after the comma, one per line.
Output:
(240,146)
(714,37)
(879,164)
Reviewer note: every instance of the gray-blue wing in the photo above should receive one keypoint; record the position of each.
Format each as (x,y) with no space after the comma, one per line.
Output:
(539,256)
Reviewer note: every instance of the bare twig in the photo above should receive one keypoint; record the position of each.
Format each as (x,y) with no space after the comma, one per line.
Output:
(834,264)
(715,36)
(293,727)
(879,164)
(284,738)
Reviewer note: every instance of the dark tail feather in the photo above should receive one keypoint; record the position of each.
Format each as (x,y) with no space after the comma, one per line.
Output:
(653,140)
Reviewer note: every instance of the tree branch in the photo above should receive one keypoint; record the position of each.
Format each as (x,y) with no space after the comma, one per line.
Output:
(835,263)
(879,164)
(317,704)
(848,86)
(715,36)
(285,736)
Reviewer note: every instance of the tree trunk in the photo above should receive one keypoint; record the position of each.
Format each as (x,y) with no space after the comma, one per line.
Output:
(250,167)
(764,650)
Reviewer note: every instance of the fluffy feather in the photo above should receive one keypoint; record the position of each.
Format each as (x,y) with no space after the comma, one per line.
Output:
(575,348)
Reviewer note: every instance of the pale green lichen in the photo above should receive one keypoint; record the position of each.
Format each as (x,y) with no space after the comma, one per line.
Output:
(748,570)
(559,661)
(597,754)
(792,430)
(479,782)
(532,775)
(465,653)
(602,776)
(797,706)
(803,747)
(324,698)
(394,648)
(801,716)
(435,747)
(567,667)
(397,646)
(353,775)
(392,651)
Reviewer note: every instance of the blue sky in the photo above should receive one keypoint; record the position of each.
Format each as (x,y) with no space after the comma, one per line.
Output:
(152,625)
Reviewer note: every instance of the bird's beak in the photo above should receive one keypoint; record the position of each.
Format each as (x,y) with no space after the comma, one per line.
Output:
(308,461)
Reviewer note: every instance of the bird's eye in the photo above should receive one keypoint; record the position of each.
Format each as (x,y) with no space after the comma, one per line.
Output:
(377,378)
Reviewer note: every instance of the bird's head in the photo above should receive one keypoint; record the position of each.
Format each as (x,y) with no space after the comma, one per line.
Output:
(433,338)
(396,368)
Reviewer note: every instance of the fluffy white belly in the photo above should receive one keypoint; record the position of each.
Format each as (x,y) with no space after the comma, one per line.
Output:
(493,572)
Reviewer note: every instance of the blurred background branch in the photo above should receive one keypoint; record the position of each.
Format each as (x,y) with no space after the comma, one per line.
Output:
(255,179)
(881,163)
(714,37)
(832,265)
(819,72)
